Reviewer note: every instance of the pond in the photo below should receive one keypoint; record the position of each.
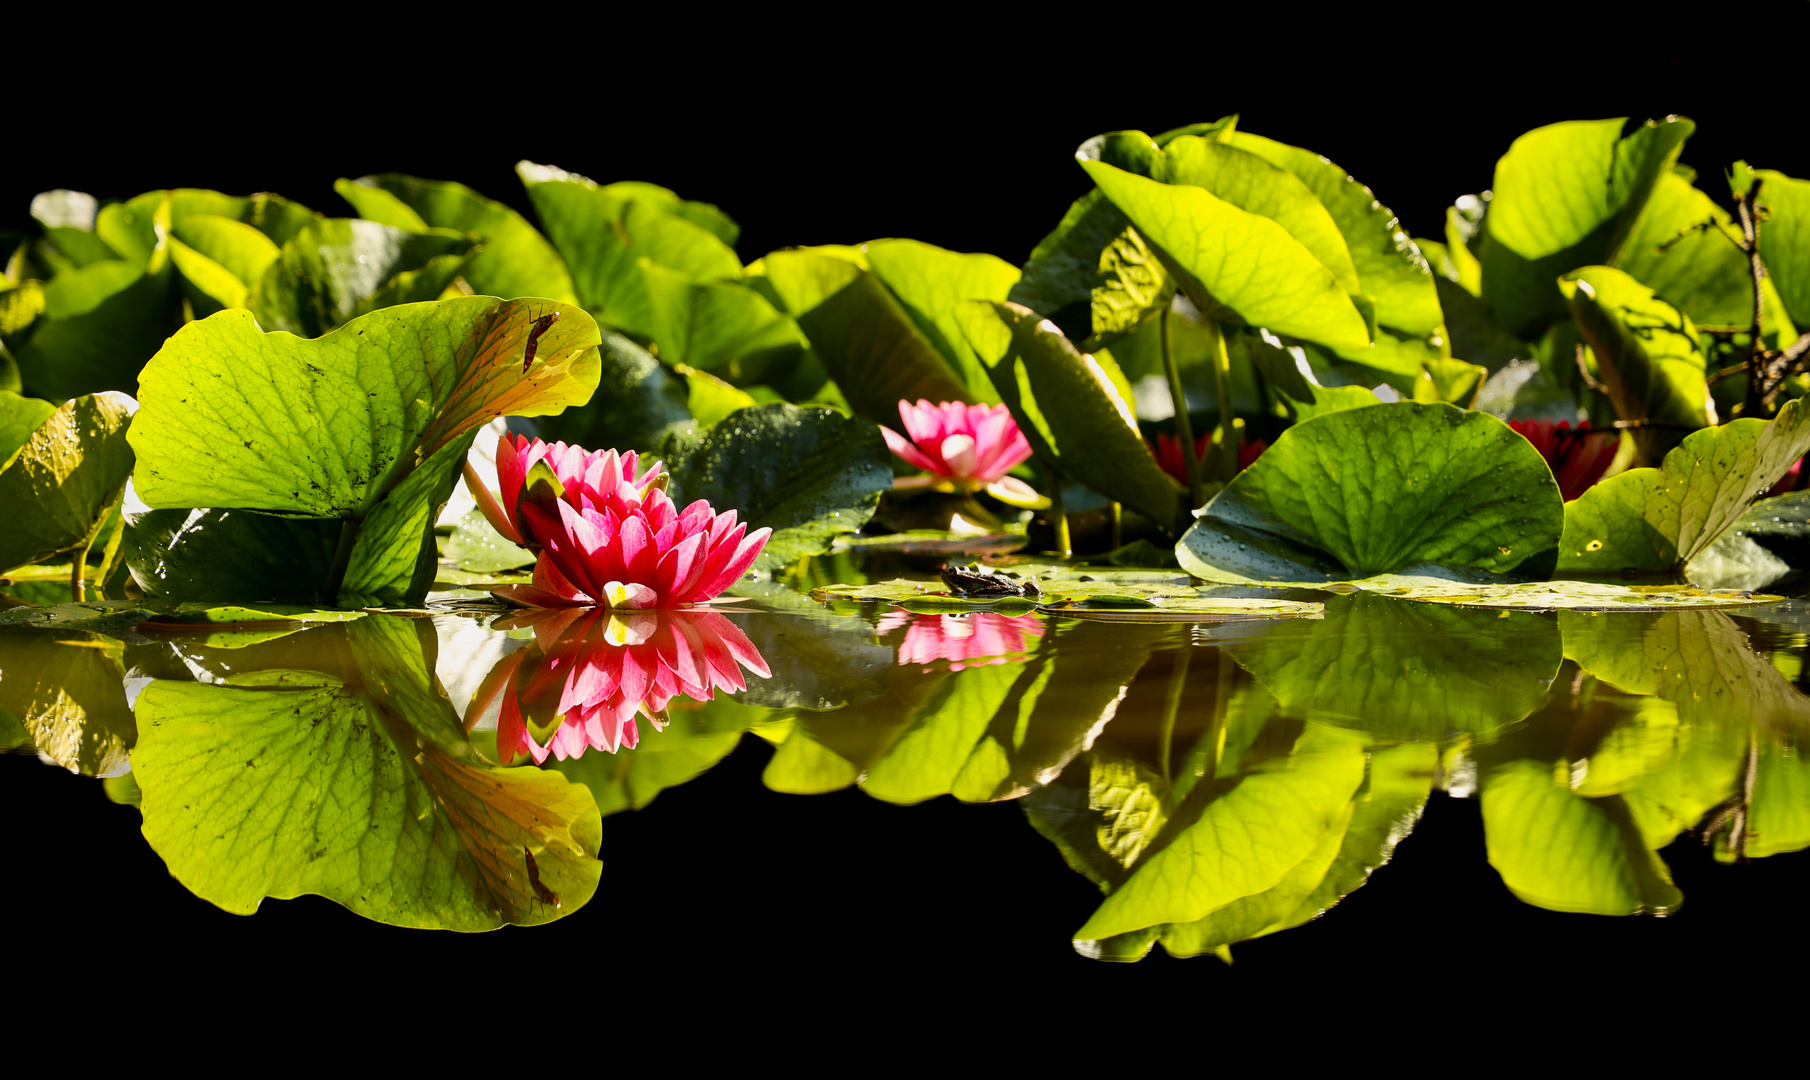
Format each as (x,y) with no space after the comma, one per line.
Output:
(1083,786)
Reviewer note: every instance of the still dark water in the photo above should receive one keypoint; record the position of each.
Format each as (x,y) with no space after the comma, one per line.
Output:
(1389,784)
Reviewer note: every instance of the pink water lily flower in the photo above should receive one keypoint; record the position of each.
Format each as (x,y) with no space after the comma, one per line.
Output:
(962,447)
(590,676)
(607,534)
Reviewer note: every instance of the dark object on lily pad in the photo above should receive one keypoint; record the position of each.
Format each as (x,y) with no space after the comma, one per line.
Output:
(975,581)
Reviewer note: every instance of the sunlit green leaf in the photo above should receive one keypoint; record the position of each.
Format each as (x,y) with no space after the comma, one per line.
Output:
(1238,265)
(604,230)
(19,418)
(869,343)
(66,478)
(1567,195)
(1376,490)
(1076,420)
(929,282)
(1647,355)
(1682,247)
(236,418)
(515,260)
(1387,264)
(1660,519)
(1785,239)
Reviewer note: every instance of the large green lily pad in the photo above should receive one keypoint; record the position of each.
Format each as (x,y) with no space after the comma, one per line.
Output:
(1377,490)
(234,417)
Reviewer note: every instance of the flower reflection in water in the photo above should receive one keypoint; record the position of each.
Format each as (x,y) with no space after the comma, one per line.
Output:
(591,673)
(975,640)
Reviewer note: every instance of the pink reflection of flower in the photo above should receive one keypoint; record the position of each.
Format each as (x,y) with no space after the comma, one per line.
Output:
(1578,457)
(591,674)
(609,535)
(977,640)
(970,446)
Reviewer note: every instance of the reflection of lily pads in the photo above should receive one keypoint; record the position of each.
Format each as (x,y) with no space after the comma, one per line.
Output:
(1402,670)
(363,791)
(65,689)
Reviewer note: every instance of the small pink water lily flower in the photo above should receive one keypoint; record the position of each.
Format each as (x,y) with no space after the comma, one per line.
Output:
(609,535)
(591,675)
(977,640)
(963,447)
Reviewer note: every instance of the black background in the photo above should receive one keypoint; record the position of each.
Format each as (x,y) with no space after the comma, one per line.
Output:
(846,897)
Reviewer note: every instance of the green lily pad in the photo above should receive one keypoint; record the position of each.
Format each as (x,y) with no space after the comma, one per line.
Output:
(865,338)
(1087,592)
(714,325)
(235,417)
(1562,595)
(515,260)
(1235,265)
(1389,269)
(1376,490)
(1566,195)
(337,269)
(929,282)
(604,230)
(1076,419)
(809,474)
(1660,519)
(65,480)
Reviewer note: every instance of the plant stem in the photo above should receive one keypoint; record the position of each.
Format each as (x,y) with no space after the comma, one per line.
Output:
(110,555)
(1184,428)
(342,558)
(1118,526)
(1222,384)
(1755,404)
(1178,680)
(77,586)
(1059,516)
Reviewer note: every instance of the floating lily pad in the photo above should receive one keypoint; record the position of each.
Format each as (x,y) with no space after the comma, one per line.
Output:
(1130,595)
(1566,595)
